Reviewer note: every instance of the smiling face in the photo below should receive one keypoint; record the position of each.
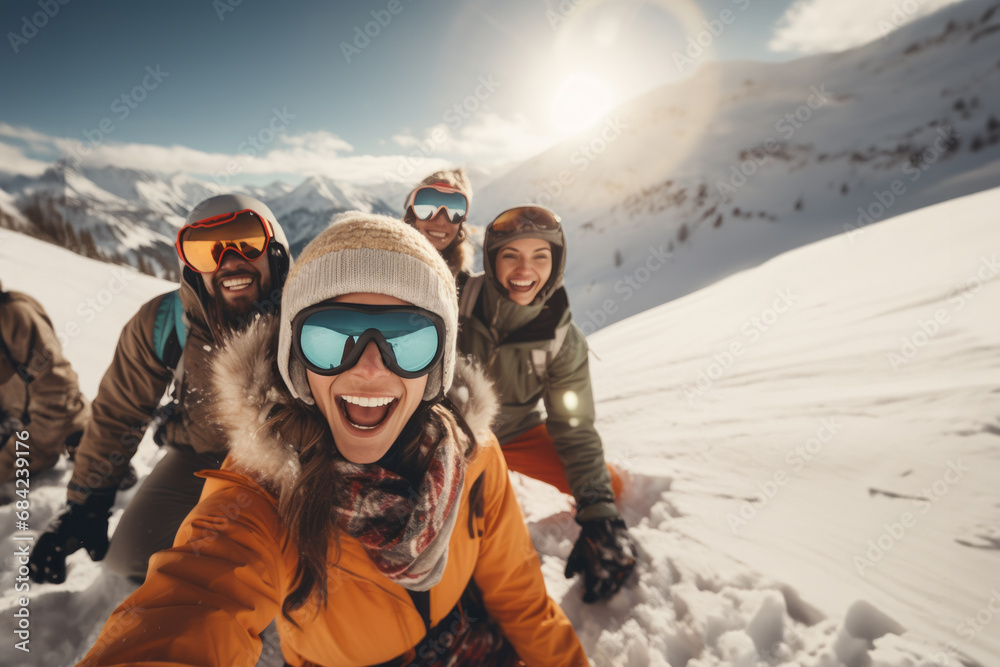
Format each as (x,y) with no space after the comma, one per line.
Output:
(523,267)
(367,405)
(237,284)
(438,230)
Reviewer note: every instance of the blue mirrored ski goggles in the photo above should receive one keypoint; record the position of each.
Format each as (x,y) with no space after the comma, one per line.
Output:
(427,200)
(330,338)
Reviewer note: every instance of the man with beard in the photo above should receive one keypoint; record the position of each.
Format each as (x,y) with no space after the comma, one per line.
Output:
(233,259)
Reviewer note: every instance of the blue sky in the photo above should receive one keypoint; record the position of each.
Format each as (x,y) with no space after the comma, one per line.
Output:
(191,86)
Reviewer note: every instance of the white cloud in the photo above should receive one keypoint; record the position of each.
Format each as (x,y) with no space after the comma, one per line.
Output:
(321,142)
(14,161)
(147,157)
(486,139)
(490,139)
(817,26)
(24,133)
(299,157)
(306,154)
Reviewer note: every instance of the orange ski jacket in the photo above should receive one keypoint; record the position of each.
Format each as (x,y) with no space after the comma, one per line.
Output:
(206,600)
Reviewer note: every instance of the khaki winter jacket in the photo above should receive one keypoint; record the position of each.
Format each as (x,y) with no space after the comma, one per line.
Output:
(206,600)
(506,338)
(131,391)
(56,408)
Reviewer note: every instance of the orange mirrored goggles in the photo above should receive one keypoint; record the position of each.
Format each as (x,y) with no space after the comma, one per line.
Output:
(525,219)
(202,244)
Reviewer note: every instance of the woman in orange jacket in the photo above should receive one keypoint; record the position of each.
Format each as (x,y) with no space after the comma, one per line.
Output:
(364,503)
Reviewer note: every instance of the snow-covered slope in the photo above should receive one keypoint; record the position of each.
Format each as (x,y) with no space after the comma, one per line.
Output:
(742,161)
(831,419)
(771,440)
(120,215)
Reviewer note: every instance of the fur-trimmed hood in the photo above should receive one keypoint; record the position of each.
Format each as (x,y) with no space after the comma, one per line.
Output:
(248,387)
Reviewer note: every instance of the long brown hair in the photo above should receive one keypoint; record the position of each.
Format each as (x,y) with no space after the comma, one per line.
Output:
(307,508)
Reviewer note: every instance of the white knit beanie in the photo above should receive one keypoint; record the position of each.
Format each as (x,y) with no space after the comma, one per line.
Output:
(363,252)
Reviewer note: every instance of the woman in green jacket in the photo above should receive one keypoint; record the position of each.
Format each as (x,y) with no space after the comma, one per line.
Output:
(515,318)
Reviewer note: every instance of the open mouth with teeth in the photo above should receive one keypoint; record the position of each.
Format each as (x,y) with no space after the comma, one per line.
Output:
(367,413)
(237,283)
(437,235)
(522,286)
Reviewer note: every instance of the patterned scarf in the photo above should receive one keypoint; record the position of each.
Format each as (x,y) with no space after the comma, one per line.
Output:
(405,531)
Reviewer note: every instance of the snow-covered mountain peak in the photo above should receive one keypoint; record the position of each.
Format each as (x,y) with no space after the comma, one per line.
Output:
(318,194)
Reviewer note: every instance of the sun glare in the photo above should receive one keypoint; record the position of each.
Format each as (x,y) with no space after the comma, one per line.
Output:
(580,101)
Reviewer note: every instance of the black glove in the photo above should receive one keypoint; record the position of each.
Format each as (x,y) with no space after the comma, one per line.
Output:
(605,553)
(80,525)
(8,427)
(72,443)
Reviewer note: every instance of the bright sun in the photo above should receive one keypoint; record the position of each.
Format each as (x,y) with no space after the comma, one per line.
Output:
(580,101)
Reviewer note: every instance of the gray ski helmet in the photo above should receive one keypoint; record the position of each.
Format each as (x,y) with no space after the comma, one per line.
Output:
(279,258)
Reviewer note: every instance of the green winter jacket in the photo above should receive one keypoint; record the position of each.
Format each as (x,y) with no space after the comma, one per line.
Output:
(509,339)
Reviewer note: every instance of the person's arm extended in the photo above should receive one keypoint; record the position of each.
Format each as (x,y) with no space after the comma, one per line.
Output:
(206,600)
(509,576)
(128,395)
(569,403)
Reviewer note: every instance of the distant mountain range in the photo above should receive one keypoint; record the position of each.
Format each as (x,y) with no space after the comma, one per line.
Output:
(674,190)
(132,217)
